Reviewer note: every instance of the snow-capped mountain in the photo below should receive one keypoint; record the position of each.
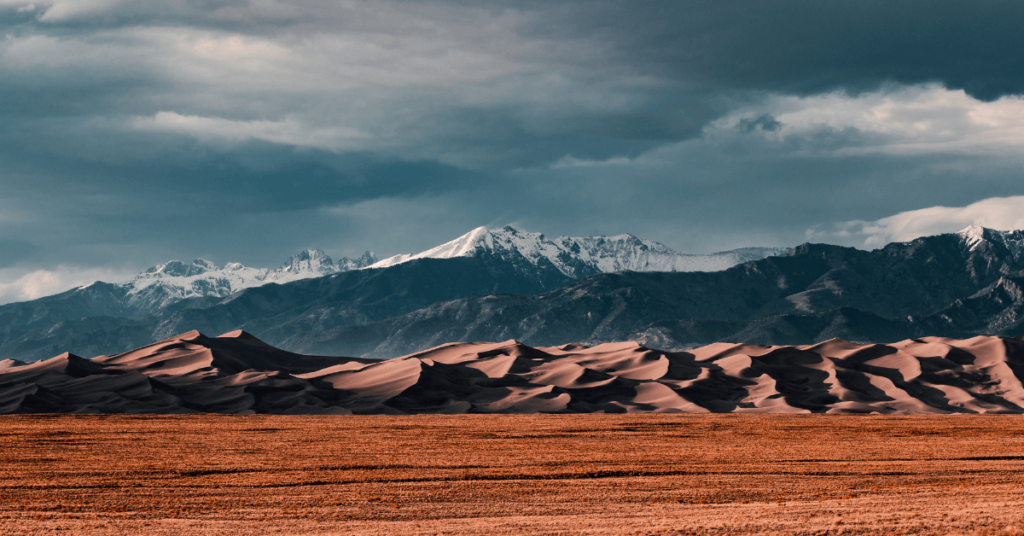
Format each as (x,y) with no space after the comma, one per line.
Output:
(505,284)
(172,281)
(974,236)
(583,256)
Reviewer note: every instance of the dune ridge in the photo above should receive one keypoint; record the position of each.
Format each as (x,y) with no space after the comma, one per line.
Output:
(236,373)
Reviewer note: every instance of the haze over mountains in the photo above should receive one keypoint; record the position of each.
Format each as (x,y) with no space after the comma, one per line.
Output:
(237,373)
(507,284)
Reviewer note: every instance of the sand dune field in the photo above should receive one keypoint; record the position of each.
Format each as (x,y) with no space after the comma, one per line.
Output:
(237,373)
(510,474)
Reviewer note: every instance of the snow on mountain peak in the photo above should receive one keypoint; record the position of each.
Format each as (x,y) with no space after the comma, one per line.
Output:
(573,256)
(309,260)
(174,280)
(345,264)
(177,268)
(467,245)
(463,246)
(973,236)
(582,256)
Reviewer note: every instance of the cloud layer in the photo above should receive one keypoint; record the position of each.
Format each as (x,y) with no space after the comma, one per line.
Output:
(1003,213)
(897,120)
(21,285)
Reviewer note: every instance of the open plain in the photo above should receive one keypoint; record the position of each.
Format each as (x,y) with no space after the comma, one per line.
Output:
(555,474)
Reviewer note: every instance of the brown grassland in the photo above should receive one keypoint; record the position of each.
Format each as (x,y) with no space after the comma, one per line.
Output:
(568,474)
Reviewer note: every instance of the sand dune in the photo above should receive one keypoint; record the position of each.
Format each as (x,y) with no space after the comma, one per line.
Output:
(237,373)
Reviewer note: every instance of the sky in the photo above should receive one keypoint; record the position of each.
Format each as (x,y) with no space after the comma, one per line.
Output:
(135,132)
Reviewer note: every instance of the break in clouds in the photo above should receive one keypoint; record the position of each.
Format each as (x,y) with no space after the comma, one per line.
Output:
(135,132)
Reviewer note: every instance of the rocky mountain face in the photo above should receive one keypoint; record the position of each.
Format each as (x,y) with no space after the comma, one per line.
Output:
(158,288)
(281,312)
(578,257)
(953,285)
(164,284)
(529,264)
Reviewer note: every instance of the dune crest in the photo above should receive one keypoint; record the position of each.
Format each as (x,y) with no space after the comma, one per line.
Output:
(238,373)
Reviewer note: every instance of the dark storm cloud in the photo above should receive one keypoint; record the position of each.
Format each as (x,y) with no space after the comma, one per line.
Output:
(808,46)
(256,176)
(12,251)
(803,46)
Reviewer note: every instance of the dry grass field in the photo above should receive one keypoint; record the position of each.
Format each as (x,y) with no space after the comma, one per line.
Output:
(572,474)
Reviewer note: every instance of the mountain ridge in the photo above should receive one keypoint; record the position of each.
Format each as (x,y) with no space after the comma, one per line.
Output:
(940,285)
(954,285)
(173,281)
(578,257)
(158,288)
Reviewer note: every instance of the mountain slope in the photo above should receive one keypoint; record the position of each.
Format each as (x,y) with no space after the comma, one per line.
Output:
(280,312)
(954,285)
(162,286)
(236,373)
(159,288)
(946,284)
(175,296)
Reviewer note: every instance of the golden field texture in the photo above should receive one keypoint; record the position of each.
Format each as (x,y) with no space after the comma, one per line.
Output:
(494,474)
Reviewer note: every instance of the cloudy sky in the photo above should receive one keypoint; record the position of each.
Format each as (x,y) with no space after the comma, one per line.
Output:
(134,132)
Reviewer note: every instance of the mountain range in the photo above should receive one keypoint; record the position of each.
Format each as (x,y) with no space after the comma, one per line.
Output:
(954,285)
(237,373)
(508,284)
(173,281)
(105,317)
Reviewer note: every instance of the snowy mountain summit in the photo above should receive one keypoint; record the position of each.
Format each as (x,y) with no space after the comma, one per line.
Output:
(583,256)
(549,261)
(976,236)
(172,281)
